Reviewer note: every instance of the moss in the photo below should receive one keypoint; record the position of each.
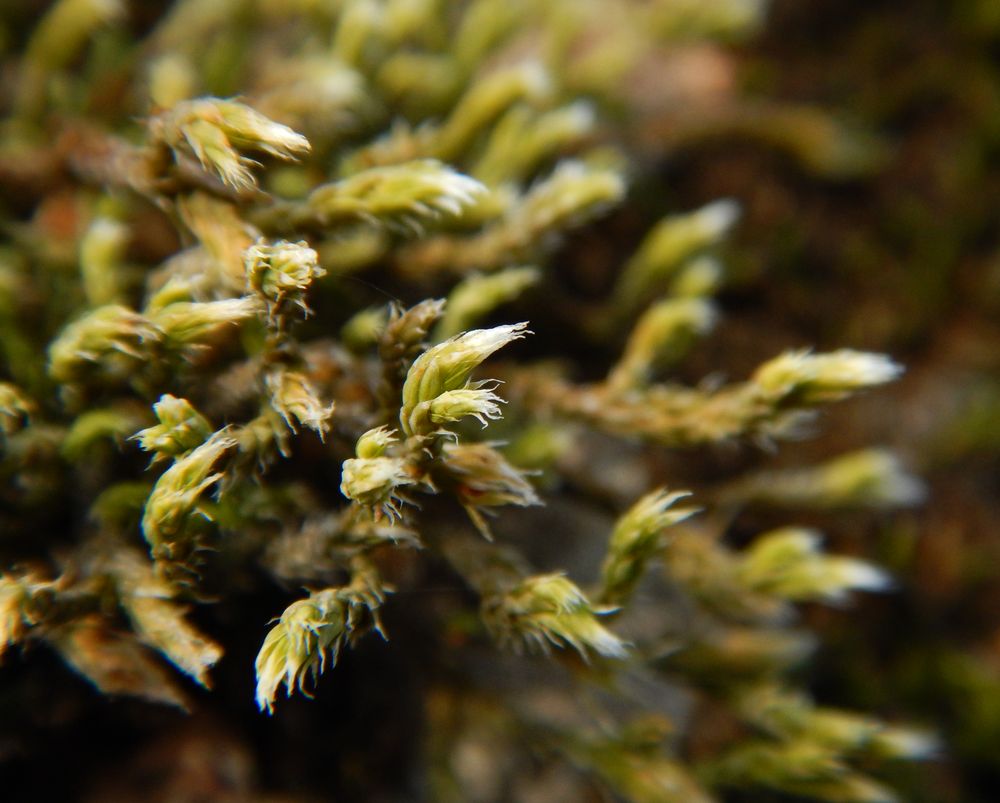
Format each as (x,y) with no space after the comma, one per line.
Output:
(424,150)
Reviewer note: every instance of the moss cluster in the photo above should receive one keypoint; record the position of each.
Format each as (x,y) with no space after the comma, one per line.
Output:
(204,407)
